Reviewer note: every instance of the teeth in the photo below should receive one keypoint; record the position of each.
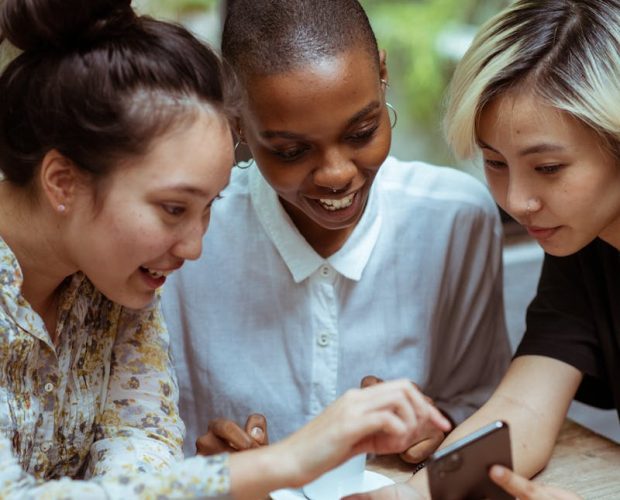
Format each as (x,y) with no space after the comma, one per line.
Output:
(333,205)
(157,274)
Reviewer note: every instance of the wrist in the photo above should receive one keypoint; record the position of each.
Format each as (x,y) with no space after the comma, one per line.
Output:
(419,482)
(257,472)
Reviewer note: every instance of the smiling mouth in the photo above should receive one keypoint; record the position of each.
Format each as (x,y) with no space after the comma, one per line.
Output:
(154,273)
(332,204)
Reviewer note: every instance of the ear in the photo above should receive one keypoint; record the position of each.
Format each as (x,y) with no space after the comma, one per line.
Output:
(383,71)
(59,180)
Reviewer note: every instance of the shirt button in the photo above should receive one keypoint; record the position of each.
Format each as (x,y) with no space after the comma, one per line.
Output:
(323,339)
(45,447)
(325,271)
(49,387)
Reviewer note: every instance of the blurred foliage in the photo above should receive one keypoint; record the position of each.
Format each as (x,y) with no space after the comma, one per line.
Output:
(419,67)
(419,64)
(175,9)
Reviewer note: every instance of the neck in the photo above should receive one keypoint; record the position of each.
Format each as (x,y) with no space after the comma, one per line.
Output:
(611,234)
(325,242)
(33,235)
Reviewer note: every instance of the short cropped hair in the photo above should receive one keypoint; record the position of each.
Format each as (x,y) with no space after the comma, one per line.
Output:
(265,37)
(566,52)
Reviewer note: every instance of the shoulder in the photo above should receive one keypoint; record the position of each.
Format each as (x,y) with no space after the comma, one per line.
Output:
(435,185)
(239,184)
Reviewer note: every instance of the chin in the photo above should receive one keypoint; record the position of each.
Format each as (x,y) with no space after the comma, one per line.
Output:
(134,301)
(562,250)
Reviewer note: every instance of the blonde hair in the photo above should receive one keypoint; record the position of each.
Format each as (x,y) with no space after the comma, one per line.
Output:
(567,52)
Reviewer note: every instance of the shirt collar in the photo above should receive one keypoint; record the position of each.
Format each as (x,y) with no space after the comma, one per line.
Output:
(16,306)
(300,258)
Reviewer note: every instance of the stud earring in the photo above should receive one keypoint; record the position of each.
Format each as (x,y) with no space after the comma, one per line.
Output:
(384,83)
(61,208)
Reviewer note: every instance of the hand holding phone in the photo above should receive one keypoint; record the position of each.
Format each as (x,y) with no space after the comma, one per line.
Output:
(461,470)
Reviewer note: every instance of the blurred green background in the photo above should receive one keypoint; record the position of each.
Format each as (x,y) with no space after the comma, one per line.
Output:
(423,38)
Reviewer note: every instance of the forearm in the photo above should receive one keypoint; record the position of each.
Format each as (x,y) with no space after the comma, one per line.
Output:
(255,473)
(533,399)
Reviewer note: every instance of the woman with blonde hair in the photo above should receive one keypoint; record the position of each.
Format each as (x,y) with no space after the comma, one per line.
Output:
(538,94)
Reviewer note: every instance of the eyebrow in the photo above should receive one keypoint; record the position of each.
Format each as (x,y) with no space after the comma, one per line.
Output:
(270,134)
(544,147)
(187,188)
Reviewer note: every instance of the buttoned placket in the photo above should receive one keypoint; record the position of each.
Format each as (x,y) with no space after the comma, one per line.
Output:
(326,340)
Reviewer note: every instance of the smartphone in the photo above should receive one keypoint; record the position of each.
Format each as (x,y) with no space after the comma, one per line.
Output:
(460,471)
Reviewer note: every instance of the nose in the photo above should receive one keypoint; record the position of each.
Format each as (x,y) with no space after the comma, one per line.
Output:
(189,246)
(521,199)
(336,172)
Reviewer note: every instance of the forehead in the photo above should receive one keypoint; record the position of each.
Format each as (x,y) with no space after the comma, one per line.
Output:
(316,92)
(197,152)
(522,116)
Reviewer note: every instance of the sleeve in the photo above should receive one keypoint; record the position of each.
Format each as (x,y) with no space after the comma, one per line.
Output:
(560,325)
(470,352)
(139,428)
(197,477)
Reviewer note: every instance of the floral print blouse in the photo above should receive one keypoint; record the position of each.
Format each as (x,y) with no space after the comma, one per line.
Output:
(101,404)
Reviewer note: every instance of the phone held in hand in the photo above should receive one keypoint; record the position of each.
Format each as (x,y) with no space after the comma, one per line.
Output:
(460,471)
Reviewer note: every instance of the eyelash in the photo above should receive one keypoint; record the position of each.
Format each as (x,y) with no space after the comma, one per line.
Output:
(178,211)
(544,169)
(548,169)
(358,138)
(215,198)
(363,135)
(494,164)
(174,210)
(291,154)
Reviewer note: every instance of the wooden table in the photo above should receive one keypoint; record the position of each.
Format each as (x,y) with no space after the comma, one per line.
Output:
(582,461)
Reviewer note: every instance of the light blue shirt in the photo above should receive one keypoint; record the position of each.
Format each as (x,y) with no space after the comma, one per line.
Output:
(262,323)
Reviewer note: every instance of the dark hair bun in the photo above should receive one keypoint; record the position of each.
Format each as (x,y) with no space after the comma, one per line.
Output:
(47,24)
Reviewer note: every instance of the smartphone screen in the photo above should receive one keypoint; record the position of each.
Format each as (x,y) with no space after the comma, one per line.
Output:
(460,471)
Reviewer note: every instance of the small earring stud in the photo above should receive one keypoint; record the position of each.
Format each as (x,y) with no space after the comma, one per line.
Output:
(61,208)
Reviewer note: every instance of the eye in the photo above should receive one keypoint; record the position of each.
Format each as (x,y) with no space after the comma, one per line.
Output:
(494,164)
(210,204)
(290,154)
(174,210)
(363,135)
(549,169)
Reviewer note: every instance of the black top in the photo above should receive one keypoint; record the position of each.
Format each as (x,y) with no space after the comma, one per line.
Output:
(575,318)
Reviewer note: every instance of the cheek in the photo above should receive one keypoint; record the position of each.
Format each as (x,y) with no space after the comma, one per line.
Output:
(132,233)
(374,154)
(498,186)
(282,177)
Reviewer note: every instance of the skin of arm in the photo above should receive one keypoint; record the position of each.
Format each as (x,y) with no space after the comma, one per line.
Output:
(533,397)
(379,419)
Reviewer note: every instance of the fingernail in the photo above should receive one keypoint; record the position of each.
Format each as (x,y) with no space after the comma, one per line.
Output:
(256,433)
(497,471)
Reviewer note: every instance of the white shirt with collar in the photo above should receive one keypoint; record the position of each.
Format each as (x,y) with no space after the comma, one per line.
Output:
(263,324)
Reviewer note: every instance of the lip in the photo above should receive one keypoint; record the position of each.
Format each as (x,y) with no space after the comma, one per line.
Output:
(542,233)
(151,281)
(337,216)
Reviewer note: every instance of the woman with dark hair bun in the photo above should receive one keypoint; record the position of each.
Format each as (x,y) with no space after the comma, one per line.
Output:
(114,143)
